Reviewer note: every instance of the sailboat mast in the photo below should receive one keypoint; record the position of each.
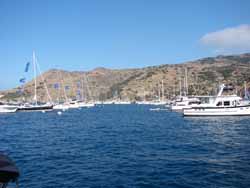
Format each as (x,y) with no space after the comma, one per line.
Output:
(186,80)
(162,90)
(159,92)
(83,97)
(63,86)
(144,94)
(245,88)
(34,68)
(180,86)
(89,92)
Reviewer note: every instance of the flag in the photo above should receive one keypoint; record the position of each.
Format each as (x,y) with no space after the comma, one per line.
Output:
(19,91)
(78,84)
(56,85)
(22,80)
(27,67)
(78,94)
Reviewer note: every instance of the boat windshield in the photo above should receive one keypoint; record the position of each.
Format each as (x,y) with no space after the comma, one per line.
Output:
(219,103)
(194,102)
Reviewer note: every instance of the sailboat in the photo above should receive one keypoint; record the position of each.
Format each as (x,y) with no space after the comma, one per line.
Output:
(161,99)
(36,106)
(72,103)
(65,105)
(83,103)
(184,102)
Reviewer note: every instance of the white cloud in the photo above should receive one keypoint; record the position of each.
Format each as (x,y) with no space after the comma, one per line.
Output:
(234,39)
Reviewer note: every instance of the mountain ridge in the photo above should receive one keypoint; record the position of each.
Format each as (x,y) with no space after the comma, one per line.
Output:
(204,75)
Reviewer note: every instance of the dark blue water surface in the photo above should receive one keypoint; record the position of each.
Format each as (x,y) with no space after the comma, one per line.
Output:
(126,146)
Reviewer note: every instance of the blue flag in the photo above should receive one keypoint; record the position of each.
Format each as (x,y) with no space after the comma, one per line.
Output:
(19,91)
(22,80)
(27,67)
(78,84)
(56,85)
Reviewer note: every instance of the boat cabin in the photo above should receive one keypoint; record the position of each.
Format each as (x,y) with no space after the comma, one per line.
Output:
(227,101)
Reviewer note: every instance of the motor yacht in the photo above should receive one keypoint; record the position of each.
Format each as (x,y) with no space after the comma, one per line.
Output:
(221,105)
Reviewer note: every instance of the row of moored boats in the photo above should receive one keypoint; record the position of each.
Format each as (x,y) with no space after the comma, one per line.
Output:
(219,105)
(10,108)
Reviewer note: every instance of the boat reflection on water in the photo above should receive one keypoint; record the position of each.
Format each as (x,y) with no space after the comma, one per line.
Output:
(221,130)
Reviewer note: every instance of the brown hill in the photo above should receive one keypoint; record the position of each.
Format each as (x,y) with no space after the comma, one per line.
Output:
(204,75)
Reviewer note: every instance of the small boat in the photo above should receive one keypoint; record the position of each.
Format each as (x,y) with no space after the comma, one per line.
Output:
(73,104)
(144,102)
(158,103)
(82,104)
(63,106)
(184,102)
(121,102)
(155,109)
(8,171)
(6,108)
(220,105)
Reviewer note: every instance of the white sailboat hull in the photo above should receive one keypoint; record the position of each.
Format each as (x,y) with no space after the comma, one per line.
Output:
(7,109)
(229,111)
(30,107)
(86,105)
(61,107)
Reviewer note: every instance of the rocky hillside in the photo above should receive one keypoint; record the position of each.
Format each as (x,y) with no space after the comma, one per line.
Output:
(204,75)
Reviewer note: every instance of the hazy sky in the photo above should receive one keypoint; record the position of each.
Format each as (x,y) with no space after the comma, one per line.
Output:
(84,34)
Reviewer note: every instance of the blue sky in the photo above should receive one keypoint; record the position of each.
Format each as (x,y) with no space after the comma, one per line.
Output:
(84,34)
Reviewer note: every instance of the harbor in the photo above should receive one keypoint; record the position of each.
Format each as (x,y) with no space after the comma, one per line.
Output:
(78,94)
(124,94)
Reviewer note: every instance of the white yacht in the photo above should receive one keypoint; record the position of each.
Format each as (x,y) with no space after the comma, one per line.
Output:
(184,102)
(83,104)
(6,108)
(221,105)
(79,104)
(61,106)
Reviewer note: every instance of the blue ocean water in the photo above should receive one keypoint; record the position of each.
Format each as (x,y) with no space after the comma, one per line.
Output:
(127,146)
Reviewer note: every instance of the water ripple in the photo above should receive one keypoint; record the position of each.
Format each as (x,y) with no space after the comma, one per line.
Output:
(127,146)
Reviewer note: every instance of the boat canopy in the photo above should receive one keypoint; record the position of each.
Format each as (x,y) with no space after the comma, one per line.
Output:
(8,170)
